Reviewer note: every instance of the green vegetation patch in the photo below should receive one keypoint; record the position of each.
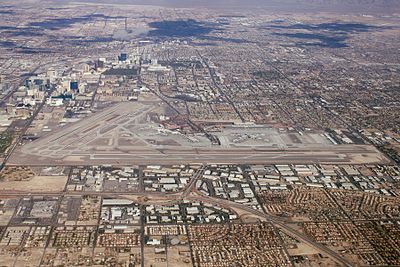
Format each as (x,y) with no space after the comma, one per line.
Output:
(5,141)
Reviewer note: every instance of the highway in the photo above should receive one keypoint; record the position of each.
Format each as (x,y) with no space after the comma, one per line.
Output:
(4,100)
(190,193)
(277,222)
(11,149)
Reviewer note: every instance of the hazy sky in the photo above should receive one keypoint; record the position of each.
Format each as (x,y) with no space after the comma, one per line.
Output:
(359,6)
(354,5)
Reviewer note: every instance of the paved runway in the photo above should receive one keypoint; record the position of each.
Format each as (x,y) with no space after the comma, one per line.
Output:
(97,140)
(343,154)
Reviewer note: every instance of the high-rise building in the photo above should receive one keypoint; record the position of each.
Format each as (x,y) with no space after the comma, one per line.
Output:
(123,57)
(74,86)
(85,67)
(99,64)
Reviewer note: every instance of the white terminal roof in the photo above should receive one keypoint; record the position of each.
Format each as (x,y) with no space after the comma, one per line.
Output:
(116,202)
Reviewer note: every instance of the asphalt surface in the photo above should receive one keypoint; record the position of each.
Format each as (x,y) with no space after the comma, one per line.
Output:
(189,193)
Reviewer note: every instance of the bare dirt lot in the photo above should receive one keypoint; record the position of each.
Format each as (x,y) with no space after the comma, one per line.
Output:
(36,183)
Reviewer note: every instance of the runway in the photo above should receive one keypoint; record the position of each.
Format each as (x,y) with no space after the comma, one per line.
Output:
(343,154)
(121,134)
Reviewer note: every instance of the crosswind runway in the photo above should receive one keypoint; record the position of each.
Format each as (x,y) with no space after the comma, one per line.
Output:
(97,140)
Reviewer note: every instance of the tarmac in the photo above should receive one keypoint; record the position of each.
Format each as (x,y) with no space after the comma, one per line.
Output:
(119,135)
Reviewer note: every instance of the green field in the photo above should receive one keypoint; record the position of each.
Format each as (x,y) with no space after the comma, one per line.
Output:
(5,141)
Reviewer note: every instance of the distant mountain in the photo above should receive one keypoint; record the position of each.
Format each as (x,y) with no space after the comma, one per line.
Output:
(346,3)
(371,6)
(327,5)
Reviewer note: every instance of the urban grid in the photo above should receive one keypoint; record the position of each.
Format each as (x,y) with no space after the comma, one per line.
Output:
(163,135)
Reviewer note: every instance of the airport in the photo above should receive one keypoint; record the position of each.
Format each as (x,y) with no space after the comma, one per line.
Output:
(122,134)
